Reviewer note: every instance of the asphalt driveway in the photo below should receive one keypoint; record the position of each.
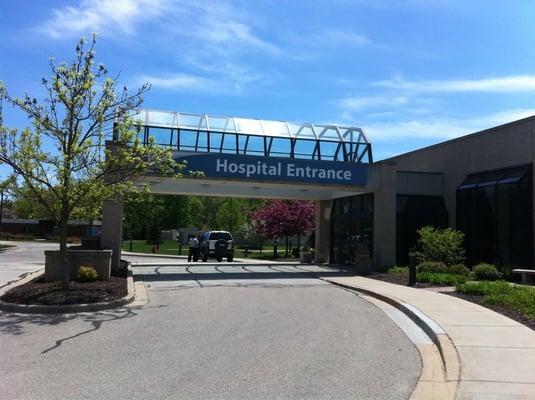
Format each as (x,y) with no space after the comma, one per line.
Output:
(206,333)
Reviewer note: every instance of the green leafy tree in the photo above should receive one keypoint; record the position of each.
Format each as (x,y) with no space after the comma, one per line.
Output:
(443,245)
(61,160)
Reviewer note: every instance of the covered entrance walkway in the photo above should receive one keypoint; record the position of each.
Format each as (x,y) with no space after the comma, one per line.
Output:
(253,158)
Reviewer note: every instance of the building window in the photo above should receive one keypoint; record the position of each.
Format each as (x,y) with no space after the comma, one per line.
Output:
(352,229)
(412,213)
(495,211)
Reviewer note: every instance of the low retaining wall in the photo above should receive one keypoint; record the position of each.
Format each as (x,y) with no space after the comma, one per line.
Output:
(98,259)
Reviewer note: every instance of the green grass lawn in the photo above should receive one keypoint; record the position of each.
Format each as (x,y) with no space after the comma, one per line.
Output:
(141,246)
(170,247)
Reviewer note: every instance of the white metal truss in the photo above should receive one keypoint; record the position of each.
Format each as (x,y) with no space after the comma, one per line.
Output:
(284,129)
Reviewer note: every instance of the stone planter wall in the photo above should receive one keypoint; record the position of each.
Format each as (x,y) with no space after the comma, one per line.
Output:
(98,259)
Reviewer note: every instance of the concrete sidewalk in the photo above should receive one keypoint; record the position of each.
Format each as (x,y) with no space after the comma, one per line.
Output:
(496,355)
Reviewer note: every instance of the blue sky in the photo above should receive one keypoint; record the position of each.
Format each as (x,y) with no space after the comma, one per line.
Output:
(410,73)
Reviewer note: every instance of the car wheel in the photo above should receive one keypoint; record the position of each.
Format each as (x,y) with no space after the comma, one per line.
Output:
(219,259)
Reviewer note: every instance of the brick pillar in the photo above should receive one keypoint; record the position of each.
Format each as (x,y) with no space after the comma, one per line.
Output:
(112,229)
(323,231)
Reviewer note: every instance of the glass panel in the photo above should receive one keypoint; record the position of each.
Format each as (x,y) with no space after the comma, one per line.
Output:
(229,143)
(219,123)
(162,136)
(412,213)
(489,179)
(187,140)
(255,146)
(192,121)
(275,128)
(242,139)
(513,176)
(302,131)
(351,231)
(304,148)
(328,133)
(202,142)
(497,217)
(159,118)
(470,182)
(328,150)
(280,147)
(350,134)
(215,141)
(357,205)
(251,126)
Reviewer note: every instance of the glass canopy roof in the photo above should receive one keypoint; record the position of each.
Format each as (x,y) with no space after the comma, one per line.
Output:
(213,134)
(292,130)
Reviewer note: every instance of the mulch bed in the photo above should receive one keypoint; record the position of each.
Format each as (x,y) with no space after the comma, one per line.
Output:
(49,293)
(398,279)
(508,312)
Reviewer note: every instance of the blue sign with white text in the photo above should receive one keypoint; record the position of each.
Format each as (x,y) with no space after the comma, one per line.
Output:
(229,166)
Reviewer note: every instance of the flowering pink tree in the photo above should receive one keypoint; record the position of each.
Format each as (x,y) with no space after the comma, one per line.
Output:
(280,218)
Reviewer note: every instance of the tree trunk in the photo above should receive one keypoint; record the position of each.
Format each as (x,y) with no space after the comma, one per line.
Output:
(286,252)
(299,241)
(64,266)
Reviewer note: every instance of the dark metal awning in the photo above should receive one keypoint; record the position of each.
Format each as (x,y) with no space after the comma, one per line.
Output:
(495,177)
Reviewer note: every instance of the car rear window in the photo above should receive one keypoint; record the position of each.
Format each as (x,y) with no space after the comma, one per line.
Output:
(220,235)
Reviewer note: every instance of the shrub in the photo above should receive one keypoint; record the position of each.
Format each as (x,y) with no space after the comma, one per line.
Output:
(486,272)
(459,269)
(87,274)
(440,278)
(398,270)
(484,288)
(519,298)
(444,245)
(433,267)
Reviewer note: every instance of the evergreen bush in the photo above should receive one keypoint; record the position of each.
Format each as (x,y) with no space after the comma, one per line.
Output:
(486,272)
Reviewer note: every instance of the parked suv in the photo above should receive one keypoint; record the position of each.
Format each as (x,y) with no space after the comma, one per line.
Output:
(217,244)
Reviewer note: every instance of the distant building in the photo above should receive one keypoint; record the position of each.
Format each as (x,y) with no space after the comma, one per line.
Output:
(42,228)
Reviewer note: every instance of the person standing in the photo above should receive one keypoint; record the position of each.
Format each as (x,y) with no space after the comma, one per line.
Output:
(193,248)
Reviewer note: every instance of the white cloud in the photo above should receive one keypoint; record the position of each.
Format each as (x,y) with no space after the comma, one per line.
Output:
(232,33)
(101,16)
(513,83)
(180,82)
(228,79)
(355,103)
(337,37)
(440,129)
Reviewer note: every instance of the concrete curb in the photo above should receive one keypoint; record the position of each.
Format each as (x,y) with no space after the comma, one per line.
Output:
(135,254)
(63,309)
(447,350)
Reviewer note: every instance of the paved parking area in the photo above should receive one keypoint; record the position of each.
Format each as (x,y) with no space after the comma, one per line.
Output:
(214,331)
(24,257)
(219,274)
